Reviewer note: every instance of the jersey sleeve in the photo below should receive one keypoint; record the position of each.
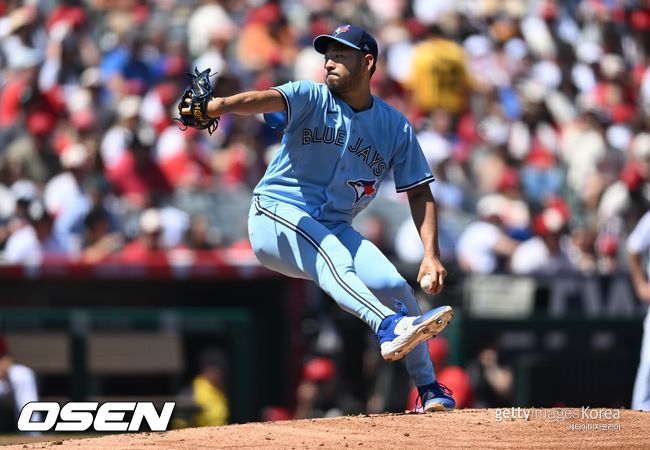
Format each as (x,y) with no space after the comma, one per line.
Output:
(410,167)
(298,96)
(639,240)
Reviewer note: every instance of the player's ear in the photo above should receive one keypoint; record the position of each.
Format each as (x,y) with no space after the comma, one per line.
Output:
(370,63)
(364,65)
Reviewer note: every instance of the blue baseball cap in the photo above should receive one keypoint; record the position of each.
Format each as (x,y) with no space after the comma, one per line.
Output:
(351,36)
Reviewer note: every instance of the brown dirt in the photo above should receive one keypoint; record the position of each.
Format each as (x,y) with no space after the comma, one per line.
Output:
(474,428)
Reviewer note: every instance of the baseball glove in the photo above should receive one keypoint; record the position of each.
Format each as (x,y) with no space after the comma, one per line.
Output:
(199,93)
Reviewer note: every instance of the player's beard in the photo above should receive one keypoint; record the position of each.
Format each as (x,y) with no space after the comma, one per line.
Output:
(350,81)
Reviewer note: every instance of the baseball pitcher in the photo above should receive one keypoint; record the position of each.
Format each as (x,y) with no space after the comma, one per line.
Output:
(339,143)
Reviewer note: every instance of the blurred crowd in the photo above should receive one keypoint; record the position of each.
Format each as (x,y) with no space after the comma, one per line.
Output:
(532,113)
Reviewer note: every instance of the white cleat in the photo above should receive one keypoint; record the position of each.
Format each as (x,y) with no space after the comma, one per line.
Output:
(406,332)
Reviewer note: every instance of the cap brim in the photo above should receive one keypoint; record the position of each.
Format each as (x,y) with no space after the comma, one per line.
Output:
(320,43)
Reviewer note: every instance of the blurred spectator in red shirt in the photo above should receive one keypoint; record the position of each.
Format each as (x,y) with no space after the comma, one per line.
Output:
(186,167)
(147,247)
(136,174)
(157,103)
(28,119)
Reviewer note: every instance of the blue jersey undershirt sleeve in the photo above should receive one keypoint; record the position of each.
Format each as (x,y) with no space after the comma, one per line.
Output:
(299,97)
(410,167)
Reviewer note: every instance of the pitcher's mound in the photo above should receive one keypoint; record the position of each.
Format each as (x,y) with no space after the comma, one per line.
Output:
(473,428)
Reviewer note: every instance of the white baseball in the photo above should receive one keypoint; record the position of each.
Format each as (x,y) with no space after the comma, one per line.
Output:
(425,283)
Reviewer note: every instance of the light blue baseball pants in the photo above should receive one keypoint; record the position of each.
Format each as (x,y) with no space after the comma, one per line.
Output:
(351,269)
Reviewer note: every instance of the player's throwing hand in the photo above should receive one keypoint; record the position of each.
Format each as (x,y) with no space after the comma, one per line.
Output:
(432,277)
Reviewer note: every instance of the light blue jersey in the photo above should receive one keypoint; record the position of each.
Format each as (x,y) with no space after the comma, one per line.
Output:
(331,162)
(332,159)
